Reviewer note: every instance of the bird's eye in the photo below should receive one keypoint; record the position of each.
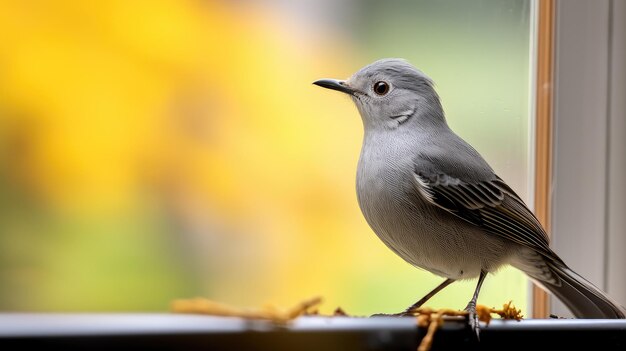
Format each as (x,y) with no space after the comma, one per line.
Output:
(381,88)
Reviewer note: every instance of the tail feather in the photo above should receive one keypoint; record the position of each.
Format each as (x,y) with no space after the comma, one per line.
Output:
(584,299)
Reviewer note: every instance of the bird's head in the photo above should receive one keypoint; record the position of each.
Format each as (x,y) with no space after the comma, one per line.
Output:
(390,93)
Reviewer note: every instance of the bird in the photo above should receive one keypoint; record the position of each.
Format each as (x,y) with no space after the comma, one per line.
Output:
(436,202)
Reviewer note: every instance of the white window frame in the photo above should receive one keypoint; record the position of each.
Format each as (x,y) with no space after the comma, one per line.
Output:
(588,207)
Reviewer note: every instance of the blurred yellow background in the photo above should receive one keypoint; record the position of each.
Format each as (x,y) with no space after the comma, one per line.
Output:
(153,150)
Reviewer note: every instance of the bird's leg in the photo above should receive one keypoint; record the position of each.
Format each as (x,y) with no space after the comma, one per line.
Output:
(427,297)
(418,304)
(471,306)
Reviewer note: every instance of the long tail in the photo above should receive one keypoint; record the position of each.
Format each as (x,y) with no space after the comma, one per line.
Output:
(584,299)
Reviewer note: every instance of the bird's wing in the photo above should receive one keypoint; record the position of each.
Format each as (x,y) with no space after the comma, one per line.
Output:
(491,205)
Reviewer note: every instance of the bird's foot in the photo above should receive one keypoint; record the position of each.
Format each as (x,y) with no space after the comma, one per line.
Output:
(399,314)
(412,311)
(472,317)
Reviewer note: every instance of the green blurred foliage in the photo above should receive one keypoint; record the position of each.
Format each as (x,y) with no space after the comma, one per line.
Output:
(159,150)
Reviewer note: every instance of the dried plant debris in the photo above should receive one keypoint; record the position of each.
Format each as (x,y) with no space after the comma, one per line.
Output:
(339,312)
(508,311)
(268,312)
(427,318)
(432,319)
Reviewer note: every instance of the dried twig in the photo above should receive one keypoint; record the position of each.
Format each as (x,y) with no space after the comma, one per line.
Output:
(206,306)
(433,319)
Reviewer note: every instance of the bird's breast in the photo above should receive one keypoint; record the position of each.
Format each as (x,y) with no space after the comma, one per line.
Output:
(418,231)
(385,195)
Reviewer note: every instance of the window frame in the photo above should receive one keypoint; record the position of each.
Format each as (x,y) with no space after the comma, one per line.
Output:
(580,139)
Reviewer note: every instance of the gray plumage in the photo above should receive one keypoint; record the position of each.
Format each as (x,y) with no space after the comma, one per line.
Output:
(433,200)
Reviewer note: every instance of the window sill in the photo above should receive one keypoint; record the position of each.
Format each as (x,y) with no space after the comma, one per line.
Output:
(190,332)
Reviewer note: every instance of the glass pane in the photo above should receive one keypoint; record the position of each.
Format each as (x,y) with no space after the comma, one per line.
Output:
(478,53)
(188,154)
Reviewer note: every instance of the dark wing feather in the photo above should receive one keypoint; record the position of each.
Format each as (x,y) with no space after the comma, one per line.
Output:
(491,205)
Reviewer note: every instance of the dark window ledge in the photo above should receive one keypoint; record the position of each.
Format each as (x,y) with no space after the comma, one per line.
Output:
(39,331)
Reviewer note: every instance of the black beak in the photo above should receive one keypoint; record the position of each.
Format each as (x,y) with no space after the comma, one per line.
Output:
(335,84)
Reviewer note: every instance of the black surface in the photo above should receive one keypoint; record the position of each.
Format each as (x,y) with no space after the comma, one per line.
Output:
(188,332)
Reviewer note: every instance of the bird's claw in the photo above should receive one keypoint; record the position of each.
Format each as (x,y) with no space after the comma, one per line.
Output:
(472,317)
(399,314)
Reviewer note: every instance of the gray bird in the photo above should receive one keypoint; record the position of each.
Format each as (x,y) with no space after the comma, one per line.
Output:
(434,201)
